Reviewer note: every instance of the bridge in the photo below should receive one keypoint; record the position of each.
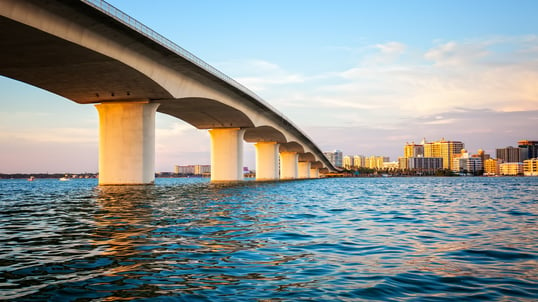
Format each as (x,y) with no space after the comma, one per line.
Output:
(92,53)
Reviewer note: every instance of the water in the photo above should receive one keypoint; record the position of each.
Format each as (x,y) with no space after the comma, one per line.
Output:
(384,239)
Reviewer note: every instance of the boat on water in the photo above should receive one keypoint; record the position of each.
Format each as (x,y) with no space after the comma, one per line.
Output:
(65,178)
(31,178)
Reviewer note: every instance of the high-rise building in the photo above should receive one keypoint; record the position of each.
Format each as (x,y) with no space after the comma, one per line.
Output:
(347,162)
(335,157)
(530,146)
(338,157)
(375,162)
(423,164)
(511,154)
(413,150)
(444,149)
(358,161)
(483,155)
(467,164)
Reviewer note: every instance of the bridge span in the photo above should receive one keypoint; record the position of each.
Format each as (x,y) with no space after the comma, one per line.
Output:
(92,53)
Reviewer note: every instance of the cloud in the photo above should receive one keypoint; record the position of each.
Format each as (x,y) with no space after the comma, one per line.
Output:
(391,48)
(453,53)
(259,75)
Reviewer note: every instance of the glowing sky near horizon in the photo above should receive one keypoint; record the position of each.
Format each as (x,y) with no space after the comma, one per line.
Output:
(364,77)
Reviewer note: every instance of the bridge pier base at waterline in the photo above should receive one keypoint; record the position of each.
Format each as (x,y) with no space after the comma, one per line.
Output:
(127,149)
(126,143)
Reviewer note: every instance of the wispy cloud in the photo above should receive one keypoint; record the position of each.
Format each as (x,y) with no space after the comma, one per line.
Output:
(451,89)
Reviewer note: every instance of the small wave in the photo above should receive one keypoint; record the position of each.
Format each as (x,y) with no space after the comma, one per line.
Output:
(474,255)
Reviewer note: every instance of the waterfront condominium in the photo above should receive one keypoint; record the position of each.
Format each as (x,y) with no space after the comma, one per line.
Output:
(443,149)
(511,154)
(531,148)
(530,167)
(413,150)
(335,157)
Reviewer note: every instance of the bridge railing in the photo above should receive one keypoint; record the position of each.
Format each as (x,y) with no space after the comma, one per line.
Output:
(124,18)
(134,24)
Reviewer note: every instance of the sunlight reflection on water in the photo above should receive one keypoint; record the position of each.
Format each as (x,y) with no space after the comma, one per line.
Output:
(333,239)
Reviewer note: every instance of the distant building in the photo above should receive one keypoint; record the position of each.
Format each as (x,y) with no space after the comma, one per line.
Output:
(530,167)
(531,148)
(483,155)
(193,170)
(511,169)
(464,163)
(511,154)
(347,162)
(444,149)
(335,157)
(390,165)
(359,161)
(338,158)
(491,167)
(402,163)
(423,164)
(375,162)
(413,150)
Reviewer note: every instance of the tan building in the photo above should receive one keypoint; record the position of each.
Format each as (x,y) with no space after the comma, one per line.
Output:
(358,161)
(402,163)
(491,167)
(413,150)
(375,162)
(193,169)
(347,162)
(511,168)
(444,149)
(530,167)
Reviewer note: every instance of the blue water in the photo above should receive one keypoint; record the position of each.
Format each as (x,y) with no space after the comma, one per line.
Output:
(361,239)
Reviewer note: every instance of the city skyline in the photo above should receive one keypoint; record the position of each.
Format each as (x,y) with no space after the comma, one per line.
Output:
(349,79)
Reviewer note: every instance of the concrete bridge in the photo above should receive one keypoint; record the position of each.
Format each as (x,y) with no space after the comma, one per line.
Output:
(92,53)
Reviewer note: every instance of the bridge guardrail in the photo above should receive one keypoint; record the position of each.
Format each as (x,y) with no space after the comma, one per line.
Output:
(117,14)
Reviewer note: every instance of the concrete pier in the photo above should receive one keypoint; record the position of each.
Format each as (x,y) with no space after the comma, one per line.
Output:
(288,165)
(126,143)
(266,160)
(226,154)
(303,169)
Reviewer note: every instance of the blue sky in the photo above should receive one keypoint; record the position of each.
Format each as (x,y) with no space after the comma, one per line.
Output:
(364,77)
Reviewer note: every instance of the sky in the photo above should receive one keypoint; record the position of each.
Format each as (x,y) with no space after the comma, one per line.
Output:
(363,77)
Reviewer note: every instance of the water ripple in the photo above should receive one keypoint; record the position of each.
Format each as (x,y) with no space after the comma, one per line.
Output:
(397,239)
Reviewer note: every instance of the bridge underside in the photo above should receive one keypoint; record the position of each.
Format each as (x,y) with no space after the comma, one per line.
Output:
(89,57)
(67,69)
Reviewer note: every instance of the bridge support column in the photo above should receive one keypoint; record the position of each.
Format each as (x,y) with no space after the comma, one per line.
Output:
(304,169)
(314,173)
(126,143)
(226,154)
(288,165)
(266,160)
